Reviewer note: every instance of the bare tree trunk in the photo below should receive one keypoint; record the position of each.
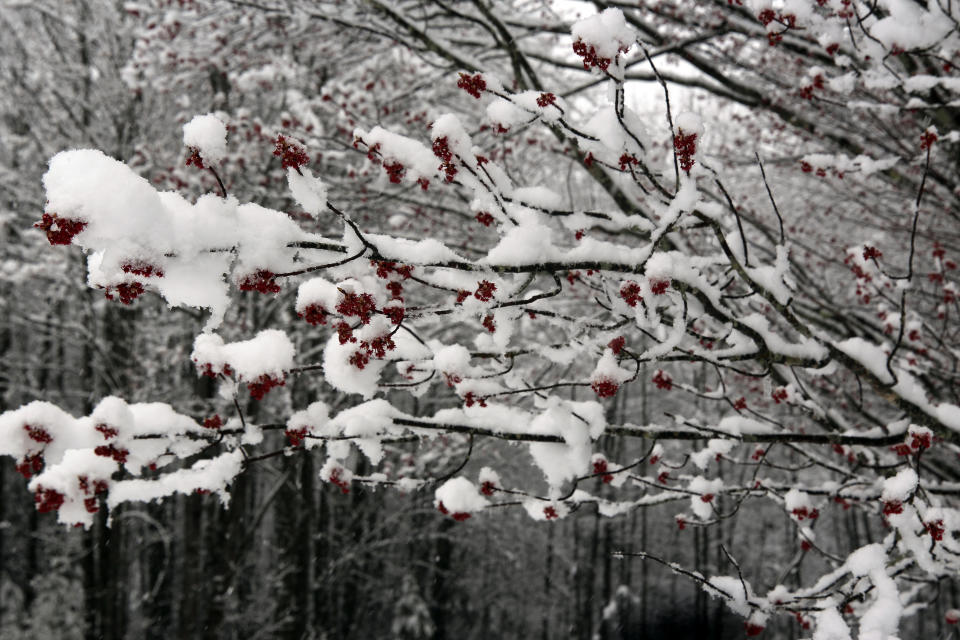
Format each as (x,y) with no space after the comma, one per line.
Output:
(441,592)
(547,582)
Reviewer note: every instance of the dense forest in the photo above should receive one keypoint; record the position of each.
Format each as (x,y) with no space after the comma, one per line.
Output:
(482,318)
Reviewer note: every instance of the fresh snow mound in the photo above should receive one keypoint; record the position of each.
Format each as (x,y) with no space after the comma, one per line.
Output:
(208,135)
(459,495)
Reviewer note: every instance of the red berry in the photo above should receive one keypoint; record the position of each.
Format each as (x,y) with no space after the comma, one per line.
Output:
(685,146)
(126,291)
(262,385)
(485,218)
(545,99)
(604,387)
(474,85)
(314,314)
(484,292)
(617,344)
(59,230)
(261,281)
(291,154)
(489,324)
(38,434)
(47,500)
(662,380)
(630,292)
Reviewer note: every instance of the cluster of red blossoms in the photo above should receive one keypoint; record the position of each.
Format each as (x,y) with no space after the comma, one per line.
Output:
(485,218)
(935,529)
(339,481)
(59,230)
(590,57)
(789,21)
(601,468)
(261,281)
(119,454)
(376,348)
(546,99)
(662,380)
(821,172)
(314,314)
(893,507)
(207,369)
(617,344)
(395,171)
(262,385)
(93,490)
(489,324)
(804,512)
(386,267)
(627,160)
(918,442)
(396,313)
(659,287)
(605,387)
(630,292)
(296,436)
(459,516)
(474,85)
(30,465)
(107,431)
(291,154)
(38,434)
(127,292)
(485,290)
(194,159)
(361,305)
(471,399)
(395,273)
(686,146)
(141,268)
(345,333)
(807,92)
(441,149)
(47,500)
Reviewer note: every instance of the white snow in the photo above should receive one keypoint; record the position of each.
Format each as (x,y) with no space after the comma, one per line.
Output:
(308,190)
(211,475)
(607,32)
(459,495)
(866,559)
(900,487)
(208,135)
(269,353)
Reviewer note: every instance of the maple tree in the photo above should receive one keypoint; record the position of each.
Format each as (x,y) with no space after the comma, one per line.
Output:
(804,296)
